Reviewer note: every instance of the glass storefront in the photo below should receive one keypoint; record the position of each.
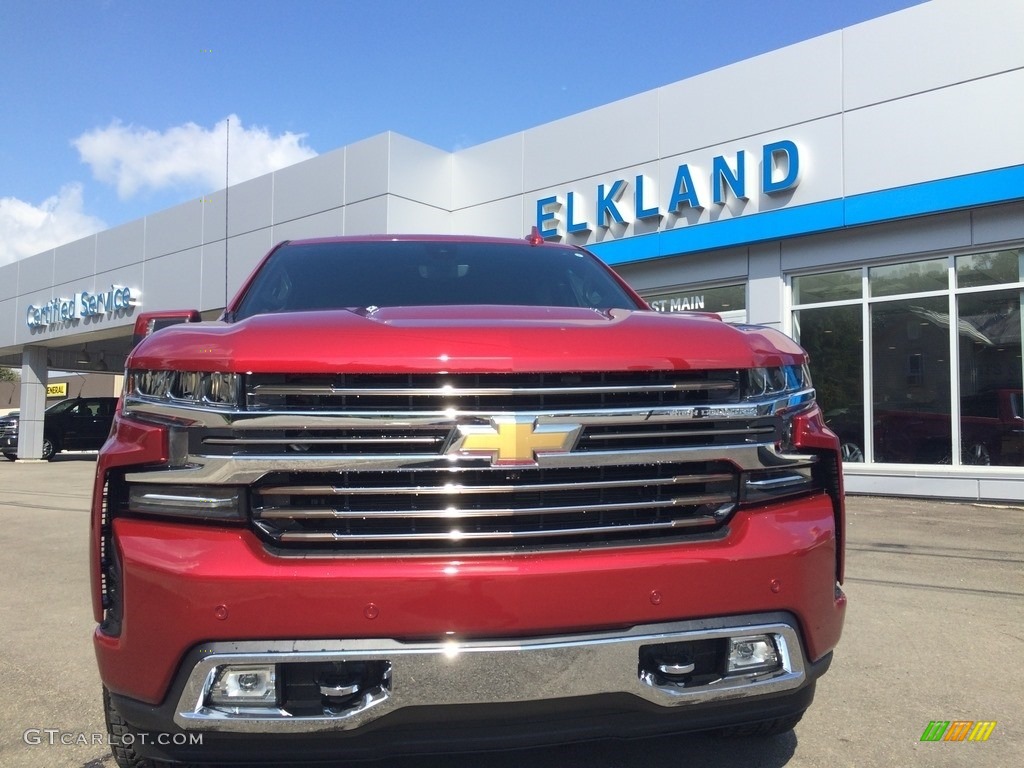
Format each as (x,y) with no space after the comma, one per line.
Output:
(943,358)
(836,337)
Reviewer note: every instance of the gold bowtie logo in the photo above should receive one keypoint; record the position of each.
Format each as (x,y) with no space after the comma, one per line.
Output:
(514,439)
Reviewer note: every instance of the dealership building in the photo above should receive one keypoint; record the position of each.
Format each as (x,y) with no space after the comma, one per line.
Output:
(862,191)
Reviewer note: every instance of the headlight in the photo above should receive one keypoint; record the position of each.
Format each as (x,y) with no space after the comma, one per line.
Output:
(199,388)
(772,382)
(219,388)
(782,391)
(785,392)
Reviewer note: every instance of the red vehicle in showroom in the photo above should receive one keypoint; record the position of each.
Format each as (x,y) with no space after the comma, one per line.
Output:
(443,493)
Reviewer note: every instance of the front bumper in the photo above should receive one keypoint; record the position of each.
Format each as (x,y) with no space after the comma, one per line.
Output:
(185,585)
(479,695)
(486,672)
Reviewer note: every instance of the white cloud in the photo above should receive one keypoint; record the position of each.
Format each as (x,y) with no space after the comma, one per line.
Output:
(27,229)
(135,158)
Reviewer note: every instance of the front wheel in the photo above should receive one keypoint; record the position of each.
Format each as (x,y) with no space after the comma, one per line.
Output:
(122,736)
(10,456)
(49,449)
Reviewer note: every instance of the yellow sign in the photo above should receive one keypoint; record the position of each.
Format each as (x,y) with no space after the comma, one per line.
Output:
(57,390)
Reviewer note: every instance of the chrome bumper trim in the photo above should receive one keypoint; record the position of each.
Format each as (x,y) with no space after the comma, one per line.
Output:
(183,414)
(486,672)
(245,470)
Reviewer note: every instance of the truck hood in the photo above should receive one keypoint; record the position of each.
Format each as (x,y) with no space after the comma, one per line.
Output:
(466,339)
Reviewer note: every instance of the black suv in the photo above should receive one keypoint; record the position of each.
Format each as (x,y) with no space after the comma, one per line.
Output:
(81,424)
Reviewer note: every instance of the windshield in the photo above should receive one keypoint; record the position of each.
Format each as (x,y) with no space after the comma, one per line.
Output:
(62,406)
(316,276)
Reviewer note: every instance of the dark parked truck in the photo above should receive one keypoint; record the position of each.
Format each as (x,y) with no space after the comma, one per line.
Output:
(434,493)
(78,424)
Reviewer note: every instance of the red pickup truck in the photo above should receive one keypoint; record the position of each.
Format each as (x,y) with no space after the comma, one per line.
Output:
(436,493)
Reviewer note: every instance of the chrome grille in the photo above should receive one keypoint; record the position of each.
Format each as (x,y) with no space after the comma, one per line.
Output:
(700,432)
(446,509)
(432,440)
(422,463)
(8,430)
(487,392)
(341,441)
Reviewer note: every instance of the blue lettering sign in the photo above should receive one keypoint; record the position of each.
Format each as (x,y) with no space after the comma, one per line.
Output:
(547,214)
(571,225)
(114,300)
(683,192)
(84,304)
(643,212)
(606,206)
(722,176)
(779,155)
(780,172)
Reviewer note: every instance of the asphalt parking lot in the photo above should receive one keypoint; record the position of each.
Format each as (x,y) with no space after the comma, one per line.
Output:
(934,631)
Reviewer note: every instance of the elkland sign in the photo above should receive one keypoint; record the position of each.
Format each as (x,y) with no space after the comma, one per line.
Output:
(81,305)
(568,214)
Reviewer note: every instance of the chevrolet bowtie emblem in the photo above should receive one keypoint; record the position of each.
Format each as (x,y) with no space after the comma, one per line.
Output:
(514,439)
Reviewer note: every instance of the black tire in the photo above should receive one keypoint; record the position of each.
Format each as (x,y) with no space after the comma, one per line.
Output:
(124,754)
(764,728)
(11,456)
(50,448)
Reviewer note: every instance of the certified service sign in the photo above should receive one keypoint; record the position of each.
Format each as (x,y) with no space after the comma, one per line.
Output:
(118,298)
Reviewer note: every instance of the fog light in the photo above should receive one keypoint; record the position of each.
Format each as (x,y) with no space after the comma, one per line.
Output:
(755,653)
(244,686)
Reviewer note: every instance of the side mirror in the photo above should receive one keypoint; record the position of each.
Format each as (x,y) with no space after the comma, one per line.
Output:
(148,323)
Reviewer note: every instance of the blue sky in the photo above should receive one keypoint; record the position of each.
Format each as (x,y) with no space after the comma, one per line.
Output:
(113,109)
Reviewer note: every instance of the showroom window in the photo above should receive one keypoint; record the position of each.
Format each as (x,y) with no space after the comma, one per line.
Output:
(831,329)
(729,301)
(918,387)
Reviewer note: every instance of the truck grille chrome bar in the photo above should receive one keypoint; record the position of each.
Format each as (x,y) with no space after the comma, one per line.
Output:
(299,513)
(441,507)
(372,439)
(470,392)
(625,432)
(454,488)
(504,536)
